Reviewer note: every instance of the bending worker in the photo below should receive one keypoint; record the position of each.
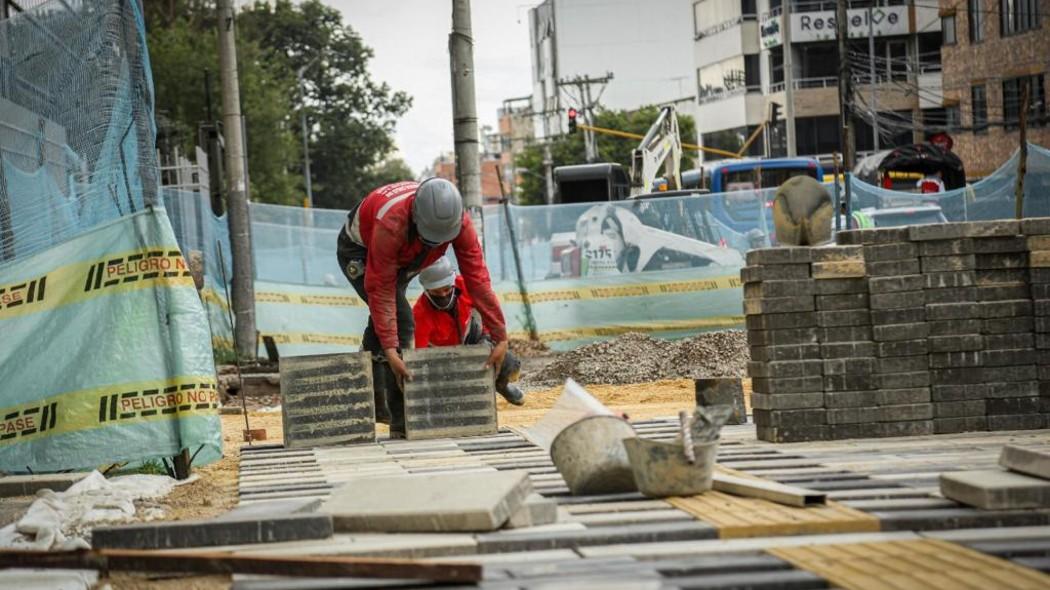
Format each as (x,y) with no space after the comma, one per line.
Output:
(389,236)
(445,316)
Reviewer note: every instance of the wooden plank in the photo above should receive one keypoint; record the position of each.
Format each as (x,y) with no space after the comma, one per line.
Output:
(905,564)
(740,484)
(226,563)
(753,517)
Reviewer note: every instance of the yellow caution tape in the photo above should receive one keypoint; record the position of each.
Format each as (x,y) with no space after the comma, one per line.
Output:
(112,405)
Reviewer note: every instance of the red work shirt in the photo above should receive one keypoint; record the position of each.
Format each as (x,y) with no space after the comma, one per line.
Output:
(437,327)
(383,225)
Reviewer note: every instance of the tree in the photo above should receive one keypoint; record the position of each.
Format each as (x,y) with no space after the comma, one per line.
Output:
(351,116)
(568,149)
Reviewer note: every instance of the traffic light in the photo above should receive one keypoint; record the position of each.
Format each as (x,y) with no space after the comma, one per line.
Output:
(572,120)
(774,112)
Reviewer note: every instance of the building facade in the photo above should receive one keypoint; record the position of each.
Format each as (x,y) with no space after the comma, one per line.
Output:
(992,49)
(739,55)
(643,44)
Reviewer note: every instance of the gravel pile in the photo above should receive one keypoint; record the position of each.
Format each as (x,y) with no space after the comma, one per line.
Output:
(639,358)
(528,348)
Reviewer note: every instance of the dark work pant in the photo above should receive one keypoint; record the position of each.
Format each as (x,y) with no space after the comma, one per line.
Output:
(511,367)
(389,399)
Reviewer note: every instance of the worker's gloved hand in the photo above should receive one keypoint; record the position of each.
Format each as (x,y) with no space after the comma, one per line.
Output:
(397,365)
(495,359)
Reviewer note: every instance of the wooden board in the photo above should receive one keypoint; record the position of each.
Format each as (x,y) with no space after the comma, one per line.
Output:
(737,517)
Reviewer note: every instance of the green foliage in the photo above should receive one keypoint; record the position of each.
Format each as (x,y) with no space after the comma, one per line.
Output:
(351,117)
(568,149)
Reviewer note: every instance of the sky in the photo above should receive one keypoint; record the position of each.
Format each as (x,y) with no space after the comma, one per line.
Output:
(410,40)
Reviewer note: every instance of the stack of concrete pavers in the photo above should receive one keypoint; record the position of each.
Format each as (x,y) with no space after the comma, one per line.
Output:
(1037,237)
(1025,482)
(1008,359)
(786,367)
(847,349)
(958,388)
(898,318)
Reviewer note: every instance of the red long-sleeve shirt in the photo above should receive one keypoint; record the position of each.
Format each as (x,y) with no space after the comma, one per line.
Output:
(382,225)
(437,327)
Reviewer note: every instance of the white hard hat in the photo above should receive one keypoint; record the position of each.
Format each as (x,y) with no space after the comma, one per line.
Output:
(438,210)
(438,275)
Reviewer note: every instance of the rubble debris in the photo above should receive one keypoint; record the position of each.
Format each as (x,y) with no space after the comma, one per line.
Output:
(640,358)
(528,348)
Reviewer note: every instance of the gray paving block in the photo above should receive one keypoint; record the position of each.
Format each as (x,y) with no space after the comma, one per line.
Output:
(1035,226)
(787,385)
(848,382)
(842,302)
(907,396)
(787,401)
(215,532)
(902,348)
(446,502)
(994,228)
(898,300)
(841,286)
(260,510)
(775,370)
(951,295)
(906,412)
(902,364)
(781,321)
(29,485)
(786,580)
(898,504)
(1014,325)
(853,415)
(451,393)
(1012,405)
(784,434)
(952,311)
(1009,341)
(849,317)
(1001,261)
(950,247)
(534,511)
(779,288)
(785,255)
(958,518)
(960,409)
(956,392)
(782,337)
(904,315)
(848,399)
(1016,422)
(837,270)
(902,380)
(956,425)
(837,253)
(895,284)
(1005,358)
(895,332)
(1034,461)
(849,366)
(937,231)
(774,272)
(857,430)
(1039,275)
(960,376)
(839,350)
(779,304)
(943,360)
(729,391)
(893,268)
(853,333)
(327,399)
(954,327)
(893,251)
(959,343)
(987,277)
(786,418)
(882,235)
(604,535)
(999,245)
(1013,389)
(1005,308)
(787,352)
(995,489)
(912,428)
(949,280)
(1000,375)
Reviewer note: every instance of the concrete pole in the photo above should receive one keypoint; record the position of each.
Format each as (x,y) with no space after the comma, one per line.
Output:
(845,104)
(789,83)
(871,72)
(464,110)
(243,294)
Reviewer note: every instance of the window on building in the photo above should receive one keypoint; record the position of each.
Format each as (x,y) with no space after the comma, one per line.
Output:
(976,20)
(948,29)
(752,75)
(819,60)
(748,8)
(1013,100)
(979,109)
(1018,16)
(776,66)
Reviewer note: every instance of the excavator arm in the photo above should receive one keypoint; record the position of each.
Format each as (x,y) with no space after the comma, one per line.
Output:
(661,145)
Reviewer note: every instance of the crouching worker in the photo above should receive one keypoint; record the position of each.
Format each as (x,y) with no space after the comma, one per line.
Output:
(396,231)
(445,316)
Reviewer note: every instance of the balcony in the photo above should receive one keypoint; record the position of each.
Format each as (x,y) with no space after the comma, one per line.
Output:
(729,109)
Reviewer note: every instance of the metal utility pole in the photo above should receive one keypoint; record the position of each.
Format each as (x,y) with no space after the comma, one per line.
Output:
(243,296)
(306,143)
(845,104)
(1022,161)
(873,81)
(789,83)
(464,111)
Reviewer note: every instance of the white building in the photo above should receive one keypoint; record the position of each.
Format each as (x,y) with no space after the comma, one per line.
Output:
(645,44)
(739,57)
